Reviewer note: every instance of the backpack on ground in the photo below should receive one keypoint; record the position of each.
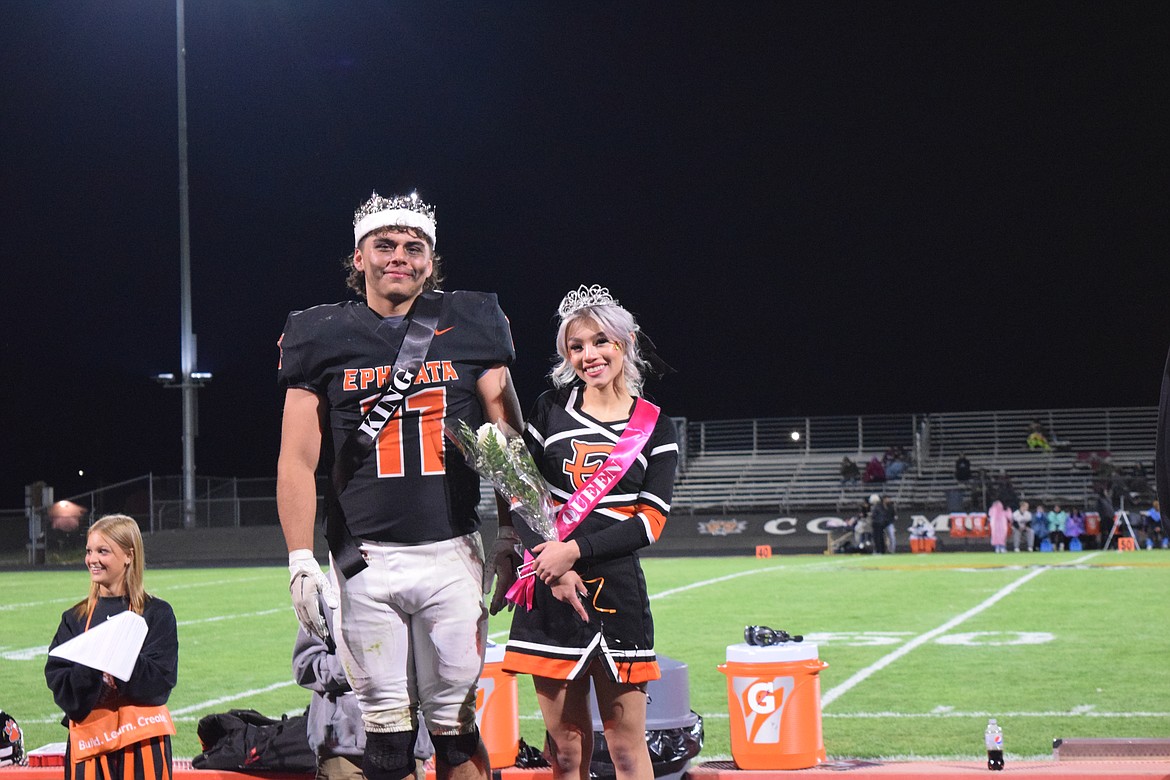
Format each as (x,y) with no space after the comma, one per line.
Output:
(245,739)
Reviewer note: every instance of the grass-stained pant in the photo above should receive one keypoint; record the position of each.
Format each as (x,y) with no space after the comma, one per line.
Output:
(413,626)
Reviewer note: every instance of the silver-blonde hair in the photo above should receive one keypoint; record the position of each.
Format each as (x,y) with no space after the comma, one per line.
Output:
(619,326)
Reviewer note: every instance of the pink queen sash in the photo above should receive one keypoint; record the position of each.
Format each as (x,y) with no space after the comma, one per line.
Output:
(586,498)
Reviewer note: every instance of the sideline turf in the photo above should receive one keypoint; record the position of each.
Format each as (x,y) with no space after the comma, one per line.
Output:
(1073,652)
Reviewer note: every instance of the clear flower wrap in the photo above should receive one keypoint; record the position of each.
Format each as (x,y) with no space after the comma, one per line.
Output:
(499,455)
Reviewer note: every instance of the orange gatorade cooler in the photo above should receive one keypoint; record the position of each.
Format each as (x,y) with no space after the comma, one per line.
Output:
(1092,523)
(979,525)
(958,524)
(774,700)
(497,709)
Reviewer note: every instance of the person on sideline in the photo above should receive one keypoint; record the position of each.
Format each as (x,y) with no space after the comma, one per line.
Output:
(999,518)
(96,703)
(1022,527)
(880,520)
(373,383)
(335,730)
(609,459)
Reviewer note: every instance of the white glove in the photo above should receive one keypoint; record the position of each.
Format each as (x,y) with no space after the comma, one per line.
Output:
(503,560)
(306,583)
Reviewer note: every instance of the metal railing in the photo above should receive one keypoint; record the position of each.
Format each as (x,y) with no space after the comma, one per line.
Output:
(794,435)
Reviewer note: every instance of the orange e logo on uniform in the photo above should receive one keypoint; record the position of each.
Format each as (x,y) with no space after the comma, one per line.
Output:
(587,457)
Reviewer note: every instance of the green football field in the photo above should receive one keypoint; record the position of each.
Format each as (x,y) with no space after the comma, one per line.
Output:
(921,649)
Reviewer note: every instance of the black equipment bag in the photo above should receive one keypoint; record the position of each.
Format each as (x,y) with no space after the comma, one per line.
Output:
(245,739)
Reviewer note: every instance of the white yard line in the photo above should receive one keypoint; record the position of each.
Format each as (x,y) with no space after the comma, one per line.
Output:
(27,604)
(684,588)
(31,653)
(715,581)
(860,676)
(75,599)
(1075,712)
(219,618)
(234,697)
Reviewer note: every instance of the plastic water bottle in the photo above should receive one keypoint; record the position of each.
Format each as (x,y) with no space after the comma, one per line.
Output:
(993,738)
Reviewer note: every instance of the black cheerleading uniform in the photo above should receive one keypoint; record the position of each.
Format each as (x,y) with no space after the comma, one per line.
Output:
(550,640)
(78,689)
(415,487)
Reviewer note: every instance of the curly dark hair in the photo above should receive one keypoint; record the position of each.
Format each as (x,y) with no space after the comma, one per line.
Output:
(356,280)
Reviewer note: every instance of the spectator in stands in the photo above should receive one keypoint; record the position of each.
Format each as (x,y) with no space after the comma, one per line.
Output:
(1038,437)
(1022,527)
(1040,528)
(850,472)
(1074,526)
(962,468)
(874,471)
(335,730)
(1056,521)
(896,464)
(999,518)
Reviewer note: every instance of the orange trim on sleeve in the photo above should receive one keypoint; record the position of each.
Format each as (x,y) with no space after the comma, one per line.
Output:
(655,517)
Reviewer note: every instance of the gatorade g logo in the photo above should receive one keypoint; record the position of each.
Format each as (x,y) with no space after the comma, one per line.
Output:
(761,698)
(483,694)
(761,703)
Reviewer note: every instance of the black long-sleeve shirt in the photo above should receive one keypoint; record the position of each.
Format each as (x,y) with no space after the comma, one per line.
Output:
(77,689)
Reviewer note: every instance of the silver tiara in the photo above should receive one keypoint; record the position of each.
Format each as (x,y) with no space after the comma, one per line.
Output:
(409,202)
(583,296)
(401,210)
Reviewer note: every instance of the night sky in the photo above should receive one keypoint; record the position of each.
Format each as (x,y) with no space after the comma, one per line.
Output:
(814,209)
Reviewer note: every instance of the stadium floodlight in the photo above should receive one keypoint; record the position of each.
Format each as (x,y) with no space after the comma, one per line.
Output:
(795,435)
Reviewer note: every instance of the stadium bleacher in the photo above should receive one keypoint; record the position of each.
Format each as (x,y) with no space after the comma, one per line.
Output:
(754,464)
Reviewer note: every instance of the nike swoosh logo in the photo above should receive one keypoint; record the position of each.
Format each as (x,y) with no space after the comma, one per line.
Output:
(444,330)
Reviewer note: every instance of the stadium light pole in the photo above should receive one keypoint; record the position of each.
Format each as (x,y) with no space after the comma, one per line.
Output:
(188,384)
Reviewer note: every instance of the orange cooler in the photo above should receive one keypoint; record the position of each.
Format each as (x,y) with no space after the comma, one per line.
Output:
(497,709)
(774,700)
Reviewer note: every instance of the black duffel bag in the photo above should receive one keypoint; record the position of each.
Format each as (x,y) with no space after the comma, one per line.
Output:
(245,739)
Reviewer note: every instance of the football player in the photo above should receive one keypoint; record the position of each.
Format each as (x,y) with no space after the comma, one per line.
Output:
(412,620)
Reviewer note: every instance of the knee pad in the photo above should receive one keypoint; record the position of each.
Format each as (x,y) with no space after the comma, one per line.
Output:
(455,749)
(389,755)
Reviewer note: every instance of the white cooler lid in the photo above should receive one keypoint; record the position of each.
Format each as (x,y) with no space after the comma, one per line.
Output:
(776,654)
(493,653)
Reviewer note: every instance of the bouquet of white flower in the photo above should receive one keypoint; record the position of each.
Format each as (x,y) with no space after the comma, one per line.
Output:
(500,456)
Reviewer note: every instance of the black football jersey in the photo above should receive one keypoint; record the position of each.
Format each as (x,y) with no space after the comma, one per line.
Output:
(414,486)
